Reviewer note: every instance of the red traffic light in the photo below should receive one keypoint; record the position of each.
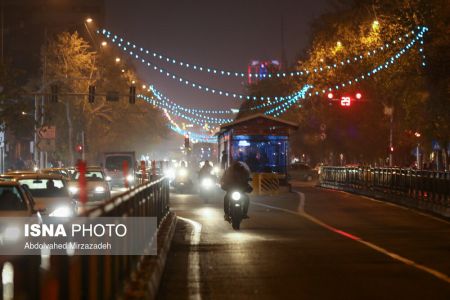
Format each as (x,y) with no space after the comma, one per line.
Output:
(345,101)
(330,96)
(358,96)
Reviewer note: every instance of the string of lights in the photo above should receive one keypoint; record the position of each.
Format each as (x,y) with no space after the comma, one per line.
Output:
(192,84)
(173,104)
(163,105)
(152,89)
(236,95)
(218,71)
(194,136)
(378,68)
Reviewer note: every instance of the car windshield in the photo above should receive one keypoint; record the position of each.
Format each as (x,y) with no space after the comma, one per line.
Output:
(45,187)
(92,175)
(116,162)
(11,199)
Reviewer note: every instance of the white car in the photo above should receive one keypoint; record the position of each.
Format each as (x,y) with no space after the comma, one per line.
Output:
(50,194)
(15,201)
(98,189)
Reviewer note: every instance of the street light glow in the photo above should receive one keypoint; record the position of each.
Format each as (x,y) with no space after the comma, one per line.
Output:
(104,43)
(117,59)
(89,20)
(144,86)
(375,25)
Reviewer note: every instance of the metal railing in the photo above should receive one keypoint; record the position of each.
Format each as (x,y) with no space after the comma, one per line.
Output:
(416,188)
(87,277)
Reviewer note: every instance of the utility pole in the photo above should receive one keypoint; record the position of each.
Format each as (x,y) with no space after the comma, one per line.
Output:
(391,142)
(2,29)
(36,120)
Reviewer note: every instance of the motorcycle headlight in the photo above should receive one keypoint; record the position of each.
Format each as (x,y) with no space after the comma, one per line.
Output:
(183,173)
(216,170)
(99,189)
(130,178)
(207,183)
(73,189)
(236,196)
(62,212)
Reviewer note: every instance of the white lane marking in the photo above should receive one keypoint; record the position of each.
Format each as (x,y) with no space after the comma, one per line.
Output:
(393,255)
(194,260)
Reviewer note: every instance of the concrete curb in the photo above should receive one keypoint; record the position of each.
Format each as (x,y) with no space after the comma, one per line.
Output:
(147,278)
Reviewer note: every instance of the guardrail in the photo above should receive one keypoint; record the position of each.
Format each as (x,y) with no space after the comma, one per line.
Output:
(426,190)
(85,277)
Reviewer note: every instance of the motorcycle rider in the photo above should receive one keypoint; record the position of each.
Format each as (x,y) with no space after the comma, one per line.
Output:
(206,170)
(237,176)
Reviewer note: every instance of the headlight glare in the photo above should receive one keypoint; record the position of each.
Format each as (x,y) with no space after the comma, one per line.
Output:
(99,189)
(62,212)
(236,196)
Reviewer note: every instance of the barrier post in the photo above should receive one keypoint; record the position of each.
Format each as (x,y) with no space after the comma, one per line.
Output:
(143,172)
(81,166)
(125,173)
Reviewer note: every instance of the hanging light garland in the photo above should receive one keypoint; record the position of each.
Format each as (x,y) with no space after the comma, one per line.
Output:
(163,98)
(217,71)
(199,120)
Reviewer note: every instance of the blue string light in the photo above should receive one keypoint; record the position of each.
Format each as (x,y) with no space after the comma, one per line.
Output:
(217,71)
(194,111)
(172,108)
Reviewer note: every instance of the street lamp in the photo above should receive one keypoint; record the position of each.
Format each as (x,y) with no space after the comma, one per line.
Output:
(117,59)
(104,44)
(89,20)
(375,25)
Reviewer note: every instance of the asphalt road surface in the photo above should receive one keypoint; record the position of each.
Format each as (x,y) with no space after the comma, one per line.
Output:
(314,244)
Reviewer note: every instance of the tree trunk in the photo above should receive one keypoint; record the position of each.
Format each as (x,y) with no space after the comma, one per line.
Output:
(70,133)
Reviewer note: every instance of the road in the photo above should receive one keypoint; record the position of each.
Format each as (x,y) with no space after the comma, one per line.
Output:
(315,244)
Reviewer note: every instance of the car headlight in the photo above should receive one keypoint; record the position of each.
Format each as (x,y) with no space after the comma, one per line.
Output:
(108,178)
(207,183)
(130,178)
(236,196)
(216,170)
(62,212)
(73,189)
(182,173)
(99,189)
(11,233)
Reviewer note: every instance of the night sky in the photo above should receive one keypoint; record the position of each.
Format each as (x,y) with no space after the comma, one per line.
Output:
(227,34)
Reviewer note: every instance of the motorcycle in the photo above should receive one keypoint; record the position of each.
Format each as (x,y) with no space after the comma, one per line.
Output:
(182,181)
(236,202)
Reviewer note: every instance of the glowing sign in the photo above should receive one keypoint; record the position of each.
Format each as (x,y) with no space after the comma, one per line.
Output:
(345,101)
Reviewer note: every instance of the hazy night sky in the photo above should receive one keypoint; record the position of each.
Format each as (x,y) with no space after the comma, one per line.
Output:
(225,34)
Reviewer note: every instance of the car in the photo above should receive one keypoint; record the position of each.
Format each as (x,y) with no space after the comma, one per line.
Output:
(15,201)
(58,171)
(98,188)
(50,194)
(302,172)
(20,173)
(4,177)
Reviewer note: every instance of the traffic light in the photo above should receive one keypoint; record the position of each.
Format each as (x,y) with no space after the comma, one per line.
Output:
(91,96)
(132,99)
(391,149)
(345,101)
(186,141)
(54,93)
(79,148)
(330,96)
